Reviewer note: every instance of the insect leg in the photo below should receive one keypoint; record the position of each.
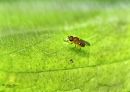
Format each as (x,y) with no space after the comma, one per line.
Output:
(75,45)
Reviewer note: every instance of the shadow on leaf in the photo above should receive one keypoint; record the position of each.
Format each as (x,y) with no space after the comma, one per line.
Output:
(80,51)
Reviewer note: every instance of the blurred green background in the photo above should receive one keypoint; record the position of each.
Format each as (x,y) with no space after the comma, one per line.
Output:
(35,58)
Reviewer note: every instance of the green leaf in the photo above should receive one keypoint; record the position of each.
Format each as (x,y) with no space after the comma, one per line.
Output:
(35,58)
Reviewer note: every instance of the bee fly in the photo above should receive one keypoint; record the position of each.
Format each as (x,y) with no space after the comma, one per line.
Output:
(77,41)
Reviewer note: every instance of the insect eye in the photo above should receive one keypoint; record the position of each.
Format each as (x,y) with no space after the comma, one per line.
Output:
(70,38)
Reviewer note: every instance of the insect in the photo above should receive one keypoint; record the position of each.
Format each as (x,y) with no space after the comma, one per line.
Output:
(77,41)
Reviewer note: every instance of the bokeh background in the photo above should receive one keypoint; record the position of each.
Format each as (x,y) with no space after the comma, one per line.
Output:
(35,58)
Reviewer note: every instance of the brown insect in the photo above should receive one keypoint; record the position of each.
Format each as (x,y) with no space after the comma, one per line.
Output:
(78,41)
